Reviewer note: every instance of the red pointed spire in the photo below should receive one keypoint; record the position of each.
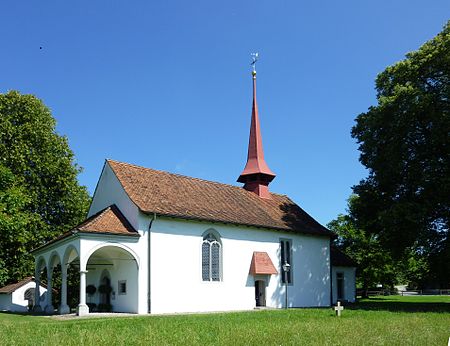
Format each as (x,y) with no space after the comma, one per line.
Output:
(256,175)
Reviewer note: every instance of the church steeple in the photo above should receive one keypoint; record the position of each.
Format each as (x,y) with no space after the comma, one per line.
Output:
(256,175)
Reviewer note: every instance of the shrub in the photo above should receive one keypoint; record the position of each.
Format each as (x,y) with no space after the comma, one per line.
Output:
(90,289)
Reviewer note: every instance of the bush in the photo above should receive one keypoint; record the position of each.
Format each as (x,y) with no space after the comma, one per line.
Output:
(90,289)
(104,307)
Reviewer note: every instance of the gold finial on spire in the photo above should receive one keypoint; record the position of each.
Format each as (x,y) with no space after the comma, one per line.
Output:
(253,64)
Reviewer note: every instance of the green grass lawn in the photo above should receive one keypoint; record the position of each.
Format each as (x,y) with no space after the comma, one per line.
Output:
(377,321)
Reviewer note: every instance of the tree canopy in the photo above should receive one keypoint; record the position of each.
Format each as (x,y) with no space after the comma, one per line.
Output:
(40,196)
(375,265)
(405,143)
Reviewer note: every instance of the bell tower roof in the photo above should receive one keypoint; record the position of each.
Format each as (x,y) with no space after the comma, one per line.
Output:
(256,175)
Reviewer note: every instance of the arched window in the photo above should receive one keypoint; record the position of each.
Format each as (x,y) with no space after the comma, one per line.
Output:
(211,258)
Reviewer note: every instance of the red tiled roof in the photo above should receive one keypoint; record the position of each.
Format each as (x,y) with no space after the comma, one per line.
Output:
(261,264)
(107,221)
(12,287)
(184,197)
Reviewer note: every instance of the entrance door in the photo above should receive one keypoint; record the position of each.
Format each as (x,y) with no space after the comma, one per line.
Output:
(105,290)
(260,293)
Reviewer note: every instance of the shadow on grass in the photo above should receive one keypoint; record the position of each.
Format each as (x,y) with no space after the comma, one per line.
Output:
(386,304)
(23,314)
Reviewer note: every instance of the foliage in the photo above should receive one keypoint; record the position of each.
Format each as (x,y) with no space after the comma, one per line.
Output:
(372,322)
(375,265)
(39,193)
(405,144)
(413,269)
(18,227)
(3,273)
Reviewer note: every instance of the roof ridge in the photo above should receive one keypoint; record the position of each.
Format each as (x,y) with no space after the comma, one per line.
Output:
(185,176)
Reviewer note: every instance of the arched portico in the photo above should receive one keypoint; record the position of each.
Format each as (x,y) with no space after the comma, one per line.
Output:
(58,257)
(113,269)
(96,243)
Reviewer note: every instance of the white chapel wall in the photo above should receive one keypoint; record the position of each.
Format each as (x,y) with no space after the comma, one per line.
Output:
(176,282)
(349,283)
(110,191)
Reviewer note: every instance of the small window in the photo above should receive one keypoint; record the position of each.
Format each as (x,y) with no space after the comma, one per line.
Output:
(286,257)
(122,287)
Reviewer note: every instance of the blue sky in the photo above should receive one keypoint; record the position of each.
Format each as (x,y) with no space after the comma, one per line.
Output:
(167,84)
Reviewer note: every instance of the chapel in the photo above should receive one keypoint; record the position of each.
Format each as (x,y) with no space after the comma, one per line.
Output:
(158,242)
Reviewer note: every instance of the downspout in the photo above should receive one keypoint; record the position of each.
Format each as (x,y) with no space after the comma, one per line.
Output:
(149,304)
(331,277)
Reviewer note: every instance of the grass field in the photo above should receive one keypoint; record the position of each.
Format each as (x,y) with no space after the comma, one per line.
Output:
(377,321)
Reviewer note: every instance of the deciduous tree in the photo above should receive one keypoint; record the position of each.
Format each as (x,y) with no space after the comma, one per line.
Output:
(40,196)
(405,143)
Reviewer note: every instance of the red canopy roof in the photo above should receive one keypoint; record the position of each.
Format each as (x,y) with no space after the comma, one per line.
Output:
(262,264)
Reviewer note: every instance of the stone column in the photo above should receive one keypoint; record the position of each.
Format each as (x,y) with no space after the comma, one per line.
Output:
(83,309)
(63,308)
(37,297)
(50,309)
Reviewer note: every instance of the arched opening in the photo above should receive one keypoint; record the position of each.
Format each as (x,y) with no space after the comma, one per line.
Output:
(40,296)
(72,262)
(29,297)
(113,271)
(54,280)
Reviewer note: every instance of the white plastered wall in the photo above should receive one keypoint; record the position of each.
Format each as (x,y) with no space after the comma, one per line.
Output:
(176,282)
(15,301)
(349,283)
(110,191)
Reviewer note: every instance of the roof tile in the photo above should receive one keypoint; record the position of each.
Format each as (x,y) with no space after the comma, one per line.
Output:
(12,287)
(262,264)
(109,220)
(175,195)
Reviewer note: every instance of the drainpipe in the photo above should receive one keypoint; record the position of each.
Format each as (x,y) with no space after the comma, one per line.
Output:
(149,304)
(331,276)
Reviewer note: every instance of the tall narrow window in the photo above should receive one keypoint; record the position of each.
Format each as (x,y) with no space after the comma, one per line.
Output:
(340,285)
(285,257)
(211,258)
